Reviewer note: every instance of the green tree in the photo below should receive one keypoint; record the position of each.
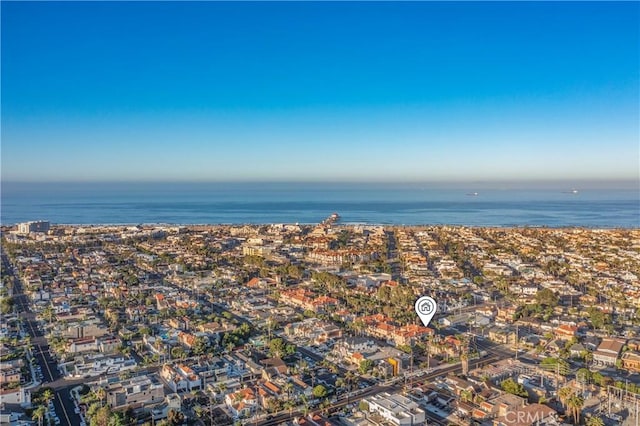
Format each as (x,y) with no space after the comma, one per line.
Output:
(6,305)
(288,388)
(48,313)
(598,318)
(365,366)
(175,417)
(177,352)
(117,419)
(319,391)
(47,395)
(514,388)
(597,378)
(101,417)
(595,421)
(466,395)
(547,297)
(289,349)
(584,375)
(289,405)
(277,347)
(200,346)
(38,414)
(574,404)
(101,394)
(564,394)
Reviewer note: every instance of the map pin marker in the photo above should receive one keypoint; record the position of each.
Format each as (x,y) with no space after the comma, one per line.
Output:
(426,308)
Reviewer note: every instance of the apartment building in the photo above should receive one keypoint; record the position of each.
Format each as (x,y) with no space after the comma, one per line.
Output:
(135,392)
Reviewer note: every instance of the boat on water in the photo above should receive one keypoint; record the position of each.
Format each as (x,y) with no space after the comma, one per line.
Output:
(472,194)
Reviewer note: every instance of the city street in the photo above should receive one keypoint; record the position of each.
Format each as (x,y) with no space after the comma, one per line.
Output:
(62,403)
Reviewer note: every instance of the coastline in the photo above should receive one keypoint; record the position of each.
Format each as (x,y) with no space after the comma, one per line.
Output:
(337,225)
(378,205)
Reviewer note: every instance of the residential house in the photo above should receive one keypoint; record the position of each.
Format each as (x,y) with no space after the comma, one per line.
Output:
(565,331)
(576,350)
(608,352)
(19,395)
(10,374)
(530,415)
(631,361)
(241,403)
(396,409)
(502,335)
(273,367)
(135,392)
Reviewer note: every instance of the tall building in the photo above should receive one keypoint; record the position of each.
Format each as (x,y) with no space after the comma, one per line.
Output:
(34,226)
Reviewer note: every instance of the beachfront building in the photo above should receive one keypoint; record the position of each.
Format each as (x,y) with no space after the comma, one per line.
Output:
(40,226)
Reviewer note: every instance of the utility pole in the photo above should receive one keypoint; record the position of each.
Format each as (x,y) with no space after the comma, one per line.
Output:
(517,342)
(210,410)
(257,402)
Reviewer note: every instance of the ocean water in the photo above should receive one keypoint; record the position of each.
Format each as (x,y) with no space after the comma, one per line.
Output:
(256,203)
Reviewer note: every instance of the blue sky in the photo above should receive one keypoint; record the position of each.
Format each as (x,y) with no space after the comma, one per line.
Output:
(320,91)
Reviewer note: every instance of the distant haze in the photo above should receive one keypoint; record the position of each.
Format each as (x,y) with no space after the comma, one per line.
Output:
(322,91)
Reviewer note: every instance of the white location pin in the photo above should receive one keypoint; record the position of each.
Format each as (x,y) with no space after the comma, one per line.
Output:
(426,308)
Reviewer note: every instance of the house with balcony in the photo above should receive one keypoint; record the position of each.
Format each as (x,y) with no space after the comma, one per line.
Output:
(241,403)
(135,392)
(631,361)
(396,409)
(608,352)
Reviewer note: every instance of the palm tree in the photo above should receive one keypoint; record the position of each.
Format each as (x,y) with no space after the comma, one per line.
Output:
(305,402)
(350,378)
(289,405)
(47,312)
(575,403)
(358,326)
(588,357)
(221,388)
(595,421)
(100,394)
(303,366)
(324,405)
(47,396)
(564,394)
(39,414)
(175,417)
(288,387)
(270,323)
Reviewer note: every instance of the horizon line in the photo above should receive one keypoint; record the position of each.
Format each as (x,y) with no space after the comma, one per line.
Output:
(339,180)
